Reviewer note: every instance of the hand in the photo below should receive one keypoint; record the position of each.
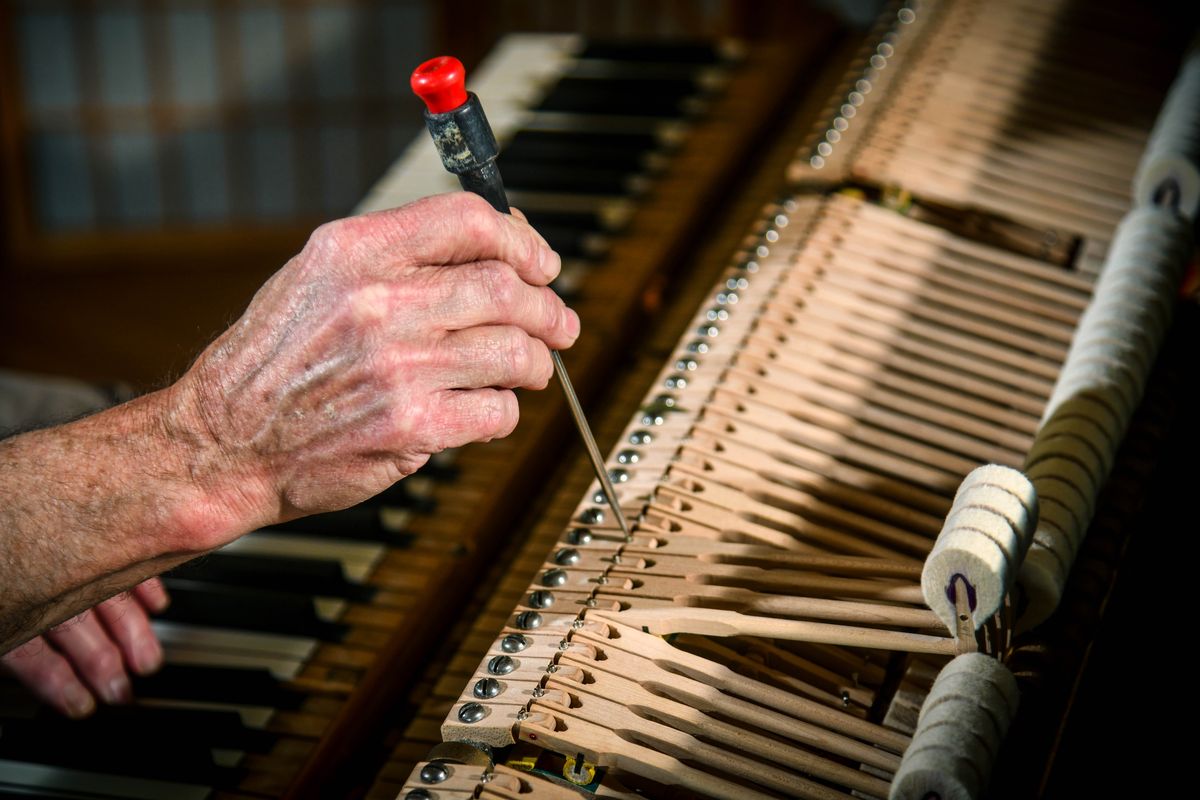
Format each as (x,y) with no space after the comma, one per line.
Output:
(390,337)
(90,656)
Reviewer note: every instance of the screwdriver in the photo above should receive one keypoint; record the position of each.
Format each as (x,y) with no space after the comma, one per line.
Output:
(465,142)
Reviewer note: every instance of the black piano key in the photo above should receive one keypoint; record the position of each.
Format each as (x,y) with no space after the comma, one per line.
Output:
(305,576)
(245,608)
(214,684)
(652,51)
(400,495)
(618,151)
(362,523)
(622,97)
(578,220)
(166,743)
(566,178)
(572,243)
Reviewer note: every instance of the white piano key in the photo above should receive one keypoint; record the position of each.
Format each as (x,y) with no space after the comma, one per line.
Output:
(255,717)
(358,559)
(283,656)
(32,779)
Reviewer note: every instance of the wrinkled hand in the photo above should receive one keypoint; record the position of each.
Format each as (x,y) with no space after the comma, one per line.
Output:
(89,657)
(390,337)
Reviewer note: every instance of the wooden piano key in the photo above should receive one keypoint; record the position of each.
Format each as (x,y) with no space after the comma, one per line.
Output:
(840,410)
(876,381)
(808,504)
(708,449)
(911,488)
(937,245)
(839,324)
(720,622)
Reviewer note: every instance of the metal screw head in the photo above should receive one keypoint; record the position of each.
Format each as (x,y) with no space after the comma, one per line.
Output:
(717,314)
(541,599)
(471,713)
(651,418)
(599,499)
(434,772)
(618,475)
(602,580)
(591,602)
(522,715)
(676,381)
(665,400)
(577,624)
(554,577)
(592,516)
(486,688)
(762,251)
(566,556)
(711,331)
(629,456)
(687,365)
(641,437)
(528,620)
(513,643)
(538,691)
(501,665)
(697,346)
(418,794)
(738,283)
(579,536)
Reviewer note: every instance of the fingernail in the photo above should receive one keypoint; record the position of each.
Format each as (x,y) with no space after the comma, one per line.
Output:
(147,656)
(117,691)
(79,701)
(572,323)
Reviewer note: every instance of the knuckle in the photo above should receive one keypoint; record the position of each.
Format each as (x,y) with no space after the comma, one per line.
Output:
(368,306)
(545,366)
(499,414)
(101,661)
(503,288)
(517,356)
(54,675)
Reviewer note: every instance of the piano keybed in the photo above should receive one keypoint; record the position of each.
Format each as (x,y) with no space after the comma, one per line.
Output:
(286,650)
(763,632)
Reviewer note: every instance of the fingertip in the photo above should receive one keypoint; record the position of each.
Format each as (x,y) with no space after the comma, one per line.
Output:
(153,595)
(77,702)
(147,655)
(551,264)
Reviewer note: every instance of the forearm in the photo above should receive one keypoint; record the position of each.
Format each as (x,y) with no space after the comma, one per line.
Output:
(95,506)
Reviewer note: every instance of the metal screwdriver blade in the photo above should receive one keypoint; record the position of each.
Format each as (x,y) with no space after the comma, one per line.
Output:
(589,442)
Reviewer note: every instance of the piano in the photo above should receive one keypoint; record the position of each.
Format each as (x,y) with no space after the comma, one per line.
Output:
(825,595)
(290,652)
(834,354)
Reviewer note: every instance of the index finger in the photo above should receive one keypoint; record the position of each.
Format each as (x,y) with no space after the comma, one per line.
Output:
(461,228)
